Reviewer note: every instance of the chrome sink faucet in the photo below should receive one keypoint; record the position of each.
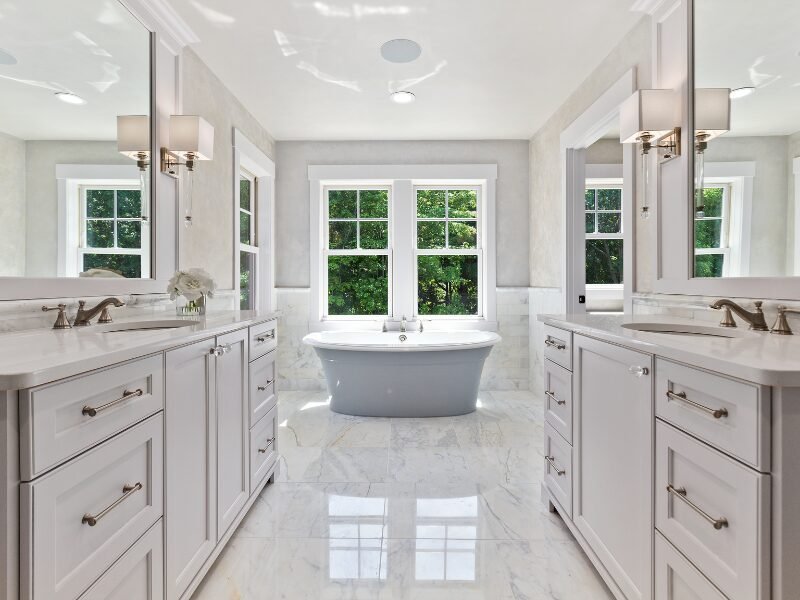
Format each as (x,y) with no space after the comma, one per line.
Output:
(85,316)
(403,324)
(755,318)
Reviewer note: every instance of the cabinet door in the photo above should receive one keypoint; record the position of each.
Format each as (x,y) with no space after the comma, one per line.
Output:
(233,416)
(191,455)
(612,460)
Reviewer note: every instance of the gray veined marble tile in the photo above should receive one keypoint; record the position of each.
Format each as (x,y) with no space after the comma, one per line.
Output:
(330,465)
(423,433)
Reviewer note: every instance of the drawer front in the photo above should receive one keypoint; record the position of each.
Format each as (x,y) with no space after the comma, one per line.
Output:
(263,338)
(558,468)
(705,488)
(731,415)
(263,447)
(677,578)
(138,575)
(558,346)
(262,387)
(62,419)
(117,486)
(558,399)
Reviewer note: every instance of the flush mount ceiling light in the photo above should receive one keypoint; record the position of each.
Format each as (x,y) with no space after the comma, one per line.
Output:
(401,51)
(6,58)
(403,97)
(742,92)
(70,98)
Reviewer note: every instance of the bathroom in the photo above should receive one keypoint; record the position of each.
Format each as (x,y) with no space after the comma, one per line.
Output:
(415,300)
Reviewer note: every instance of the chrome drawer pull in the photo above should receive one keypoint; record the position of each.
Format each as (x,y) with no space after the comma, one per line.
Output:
(265,448)
(556,345)
(559,472)
(91,520)
(681,397)
(263,388)
(263,338)
(681,493)
(552,397)
(92,411)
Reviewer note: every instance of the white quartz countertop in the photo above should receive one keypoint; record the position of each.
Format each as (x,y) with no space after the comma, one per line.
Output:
(37,356)
(759,357)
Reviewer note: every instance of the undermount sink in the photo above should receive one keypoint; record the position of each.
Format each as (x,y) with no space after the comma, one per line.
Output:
(143,325)
(684,329)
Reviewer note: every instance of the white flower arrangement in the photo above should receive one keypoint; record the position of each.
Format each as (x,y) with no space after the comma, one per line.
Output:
(192,284)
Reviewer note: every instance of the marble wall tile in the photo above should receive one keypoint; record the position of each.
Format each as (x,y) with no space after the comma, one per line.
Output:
(543,301)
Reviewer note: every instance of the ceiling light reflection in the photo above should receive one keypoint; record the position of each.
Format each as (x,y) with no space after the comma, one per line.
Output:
(309,68)
(213,16)
(360,11)
(404,84)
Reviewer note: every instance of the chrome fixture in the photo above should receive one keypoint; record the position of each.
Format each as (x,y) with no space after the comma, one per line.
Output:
(91,411)
(133,141)
(552,397)
(403,324)
(552,462)
(755,318)
(717,413)
(85,316)
(263,450)
(421,327)
(127,491)
(555,344)
(680,493)
(403,337)
(220,350)
(781,326)
(62,322)
(190,138)
(384,329)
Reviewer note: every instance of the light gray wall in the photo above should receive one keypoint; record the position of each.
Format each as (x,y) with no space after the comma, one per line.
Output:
(292,208)
(12,206)
(42,194)
(604,152)
(793,151)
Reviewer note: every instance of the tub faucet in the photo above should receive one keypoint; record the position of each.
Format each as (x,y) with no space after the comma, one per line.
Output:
(403,324)
(755,318)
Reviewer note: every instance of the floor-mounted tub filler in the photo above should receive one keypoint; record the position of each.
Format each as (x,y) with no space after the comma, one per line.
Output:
(392,374)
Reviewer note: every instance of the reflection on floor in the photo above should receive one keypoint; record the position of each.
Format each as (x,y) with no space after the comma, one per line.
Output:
(424,509)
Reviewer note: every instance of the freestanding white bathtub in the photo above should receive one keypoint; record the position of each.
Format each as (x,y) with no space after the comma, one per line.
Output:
(393,374)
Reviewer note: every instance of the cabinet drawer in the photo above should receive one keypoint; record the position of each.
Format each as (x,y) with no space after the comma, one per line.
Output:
(117,486)
(558,399)
(263,338)
(677,578)
(558,346)
(263,447)
(60,420)
(262,387)
(558,468)
(715,511)
(138,575)
(731,415)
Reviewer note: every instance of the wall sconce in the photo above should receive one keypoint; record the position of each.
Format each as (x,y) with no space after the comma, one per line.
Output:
(191,138)
(133,141)
(712,118)
(648,118)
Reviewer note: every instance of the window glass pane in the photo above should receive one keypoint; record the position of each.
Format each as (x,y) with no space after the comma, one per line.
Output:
(463,204)
(244,228)
(246,280)
(245,193)
(126,265)
(609,222)
(589,197)
(374,204)
(708,265)
(708,233)
(342,204)
(358,285)
(590,222)
(100,234)
(603,261)
(129,234)
(100,204)
(430,234)
(129,204)
(342,235)
(712,200)
(463,234)
(430,204)
(447,285)
(374,235)
(609,199)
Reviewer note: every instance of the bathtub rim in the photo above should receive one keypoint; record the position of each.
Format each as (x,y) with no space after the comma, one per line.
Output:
(312,339)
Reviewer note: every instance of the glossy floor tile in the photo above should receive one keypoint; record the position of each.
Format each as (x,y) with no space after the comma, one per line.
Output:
(418,509)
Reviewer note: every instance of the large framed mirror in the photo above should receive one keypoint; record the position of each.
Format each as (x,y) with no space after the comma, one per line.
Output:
(746,205)
(72,204)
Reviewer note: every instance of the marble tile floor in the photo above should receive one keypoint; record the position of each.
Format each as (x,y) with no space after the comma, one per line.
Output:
(417,509)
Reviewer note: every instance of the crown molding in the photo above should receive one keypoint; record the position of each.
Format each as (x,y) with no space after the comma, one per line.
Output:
(647,6)
(160,17)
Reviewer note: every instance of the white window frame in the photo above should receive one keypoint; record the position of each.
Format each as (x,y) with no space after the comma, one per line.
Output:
(725,225)
(402,179)
(251,248)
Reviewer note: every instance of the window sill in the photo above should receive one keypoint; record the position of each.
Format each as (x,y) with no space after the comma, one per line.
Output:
(441,324)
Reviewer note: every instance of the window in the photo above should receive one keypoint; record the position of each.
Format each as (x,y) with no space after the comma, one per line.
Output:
(356,250)
(711,232)
(448,257)
(111,230)
(248,242)
(603,234)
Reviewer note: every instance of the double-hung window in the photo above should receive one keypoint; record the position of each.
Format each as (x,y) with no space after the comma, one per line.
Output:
(248,241)
(712,232)
(604,237)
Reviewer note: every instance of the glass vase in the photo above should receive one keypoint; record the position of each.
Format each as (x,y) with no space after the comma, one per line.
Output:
(191,308)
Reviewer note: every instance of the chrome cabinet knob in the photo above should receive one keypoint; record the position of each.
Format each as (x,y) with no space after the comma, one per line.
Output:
(638,371)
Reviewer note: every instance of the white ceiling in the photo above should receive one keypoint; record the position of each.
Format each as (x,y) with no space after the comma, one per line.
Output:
(93,48)
(752,43)
(311,69)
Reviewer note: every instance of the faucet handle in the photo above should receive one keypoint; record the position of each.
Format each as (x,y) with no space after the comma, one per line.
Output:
(727,317)
(61,321)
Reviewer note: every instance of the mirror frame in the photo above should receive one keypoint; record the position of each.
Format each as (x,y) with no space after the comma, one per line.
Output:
(168,35)
(674,262)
